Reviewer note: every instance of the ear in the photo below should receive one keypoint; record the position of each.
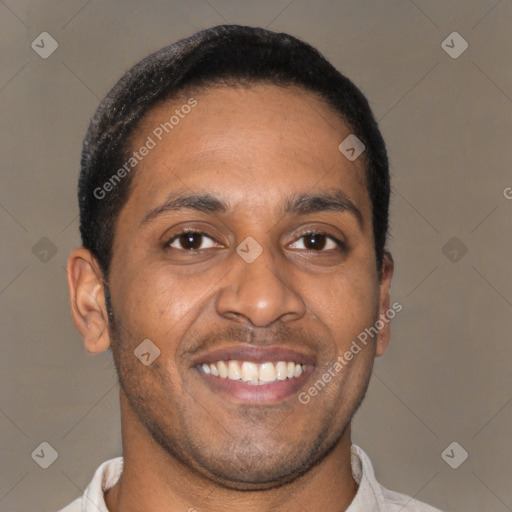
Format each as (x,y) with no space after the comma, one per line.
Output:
(384,300)
(87,297)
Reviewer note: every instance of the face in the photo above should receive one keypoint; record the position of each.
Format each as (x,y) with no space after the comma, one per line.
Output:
(245,254)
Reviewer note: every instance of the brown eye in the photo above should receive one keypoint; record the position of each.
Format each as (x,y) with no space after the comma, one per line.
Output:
(316,242)
(191,241)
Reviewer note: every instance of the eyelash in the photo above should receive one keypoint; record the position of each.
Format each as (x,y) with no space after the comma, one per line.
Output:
(338,242)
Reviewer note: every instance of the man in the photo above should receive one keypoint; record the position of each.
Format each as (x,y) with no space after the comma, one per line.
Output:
(234,196)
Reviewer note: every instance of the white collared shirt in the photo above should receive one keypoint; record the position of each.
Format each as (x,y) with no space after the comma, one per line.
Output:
(370,496)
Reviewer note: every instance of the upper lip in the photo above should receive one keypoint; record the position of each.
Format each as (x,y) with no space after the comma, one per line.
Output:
(254,354)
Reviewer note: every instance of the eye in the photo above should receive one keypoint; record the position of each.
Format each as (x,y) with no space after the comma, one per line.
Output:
(319,242)
(191,241)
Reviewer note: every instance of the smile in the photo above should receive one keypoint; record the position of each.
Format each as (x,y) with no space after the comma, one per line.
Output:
(254,373)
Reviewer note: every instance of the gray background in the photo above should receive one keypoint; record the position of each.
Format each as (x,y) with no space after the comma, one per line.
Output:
(447,122)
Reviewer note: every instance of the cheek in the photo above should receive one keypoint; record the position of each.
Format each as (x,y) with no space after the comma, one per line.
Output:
(349,303)
(158,300)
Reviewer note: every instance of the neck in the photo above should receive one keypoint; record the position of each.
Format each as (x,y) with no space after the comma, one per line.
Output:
(154,481)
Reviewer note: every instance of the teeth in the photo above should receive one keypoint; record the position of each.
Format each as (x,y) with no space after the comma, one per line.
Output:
(213,370)
(268,372)
(281,370)
(234,371)
(223,369)
(249,372)
(254,373)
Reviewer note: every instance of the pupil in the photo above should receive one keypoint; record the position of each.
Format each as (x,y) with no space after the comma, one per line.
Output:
(191,240)
(315,242)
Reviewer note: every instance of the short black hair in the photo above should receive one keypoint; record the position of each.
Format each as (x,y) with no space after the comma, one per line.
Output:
(230,55)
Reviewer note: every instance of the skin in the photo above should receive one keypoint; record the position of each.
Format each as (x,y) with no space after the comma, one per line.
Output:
(253,148)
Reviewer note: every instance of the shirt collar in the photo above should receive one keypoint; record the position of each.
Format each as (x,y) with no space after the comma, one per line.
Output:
(369,494)
(106,476)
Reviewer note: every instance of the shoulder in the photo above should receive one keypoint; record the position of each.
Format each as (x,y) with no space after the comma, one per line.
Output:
(372,495)
(401,502)
(73,507)
(105,477)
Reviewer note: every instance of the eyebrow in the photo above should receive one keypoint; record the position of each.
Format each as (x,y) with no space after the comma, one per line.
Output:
(334,201)
(177,201)
(299,204)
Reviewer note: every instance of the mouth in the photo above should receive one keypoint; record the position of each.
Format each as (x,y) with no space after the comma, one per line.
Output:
(254,374)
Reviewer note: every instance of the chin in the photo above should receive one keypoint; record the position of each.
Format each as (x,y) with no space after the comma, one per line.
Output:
(262,477)
(245,467)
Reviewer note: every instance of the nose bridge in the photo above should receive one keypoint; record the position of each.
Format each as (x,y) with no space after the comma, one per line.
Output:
(259,288)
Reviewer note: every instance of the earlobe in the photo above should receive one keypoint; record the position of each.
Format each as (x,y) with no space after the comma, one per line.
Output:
(87,297)
(384,320)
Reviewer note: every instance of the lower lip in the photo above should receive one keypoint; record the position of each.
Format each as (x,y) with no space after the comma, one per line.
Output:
(239,391)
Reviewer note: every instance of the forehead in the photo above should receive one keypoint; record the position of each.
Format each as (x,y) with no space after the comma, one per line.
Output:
(247,145)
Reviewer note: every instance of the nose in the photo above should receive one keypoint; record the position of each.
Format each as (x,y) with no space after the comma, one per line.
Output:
(260,292)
